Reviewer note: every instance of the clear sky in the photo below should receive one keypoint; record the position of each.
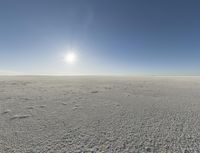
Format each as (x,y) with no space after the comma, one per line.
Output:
(153,37)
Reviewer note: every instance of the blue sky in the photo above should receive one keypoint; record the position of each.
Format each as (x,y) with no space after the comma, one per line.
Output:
(157,37)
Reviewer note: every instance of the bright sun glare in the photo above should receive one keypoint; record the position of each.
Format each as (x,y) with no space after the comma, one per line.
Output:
(71,58)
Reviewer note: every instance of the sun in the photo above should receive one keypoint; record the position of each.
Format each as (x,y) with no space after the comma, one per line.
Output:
(71,58)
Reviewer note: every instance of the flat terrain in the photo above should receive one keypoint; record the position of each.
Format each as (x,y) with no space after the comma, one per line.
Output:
(99,114)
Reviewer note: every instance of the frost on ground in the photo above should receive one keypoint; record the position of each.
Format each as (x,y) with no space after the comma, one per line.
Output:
(99,114)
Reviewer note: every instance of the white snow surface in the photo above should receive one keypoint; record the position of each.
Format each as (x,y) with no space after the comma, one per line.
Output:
(93,114)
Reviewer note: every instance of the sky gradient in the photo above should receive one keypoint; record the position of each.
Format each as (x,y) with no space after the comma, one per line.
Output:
(155,37)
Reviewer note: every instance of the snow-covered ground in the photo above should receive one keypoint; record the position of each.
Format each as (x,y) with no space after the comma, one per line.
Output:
(99,114)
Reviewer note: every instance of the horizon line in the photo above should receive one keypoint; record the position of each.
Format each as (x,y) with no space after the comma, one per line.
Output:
(77,75)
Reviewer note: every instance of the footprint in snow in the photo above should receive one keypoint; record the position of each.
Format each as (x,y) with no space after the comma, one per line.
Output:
(42,106)
(6,111)
(19,117)
(30,107)
(94,91)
